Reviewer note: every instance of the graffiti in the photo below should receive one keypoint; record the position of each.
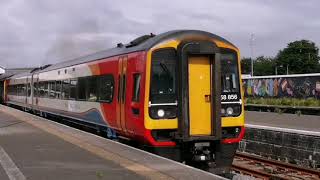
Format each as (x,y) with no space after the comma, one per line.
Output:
(297,87)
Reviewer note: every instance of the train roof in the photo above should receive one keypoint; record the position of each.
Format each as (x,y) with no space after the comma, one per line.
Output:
(146,42)
(15,72)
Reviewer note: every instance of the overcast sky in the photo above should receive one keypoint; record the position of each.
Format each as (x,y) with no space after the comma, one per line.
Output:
(37,32)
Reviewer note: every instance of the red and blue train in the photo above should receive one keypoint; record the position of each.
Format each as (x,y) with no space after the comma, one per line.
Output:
(178,94)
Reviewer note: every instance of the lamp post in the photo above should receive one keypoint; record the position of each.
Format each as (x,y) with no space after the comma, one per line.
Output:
(251,48)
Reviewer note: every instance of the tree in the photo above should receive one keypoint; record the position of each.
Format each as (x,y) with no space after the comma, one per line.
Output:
(246,65)
(262,66)
(300,57)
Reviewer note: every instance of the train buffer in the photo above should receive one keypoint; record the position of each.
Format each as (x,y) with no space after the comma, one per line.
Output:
(34,148)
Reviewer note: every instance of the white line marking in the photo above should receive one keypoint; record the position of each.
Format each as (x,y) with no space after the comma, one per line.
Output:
(287,130)
(9,167)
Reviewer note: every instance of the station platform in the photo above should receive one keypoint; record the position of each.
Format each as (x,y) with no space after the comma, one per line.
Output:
(35,148)
(286,137)
(289,121)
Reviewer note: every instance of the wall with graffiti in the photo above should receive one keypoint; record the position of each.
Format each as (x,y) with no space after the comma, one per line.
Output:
(297,87)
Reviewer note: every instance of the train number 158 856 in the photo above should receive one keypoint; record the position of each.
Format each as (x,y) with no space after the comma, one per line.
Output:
(229,97)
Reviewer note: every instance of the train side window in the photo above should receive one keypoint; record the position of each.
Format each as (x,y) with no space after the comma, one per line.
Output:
(16,90)
(81,88)
(52,88)
(136,87)
(41,89)
(35,89)
(46,89)
(58,89)
(106,86)
(73,88)
(65,89)
(29,89)
(92,88)
(23,90)
(19,90)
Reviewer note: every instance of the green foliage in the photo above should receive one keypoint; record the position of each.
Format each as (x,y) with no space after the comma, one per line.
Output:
(263,66)
(246,65)
(300,56)
(310,102)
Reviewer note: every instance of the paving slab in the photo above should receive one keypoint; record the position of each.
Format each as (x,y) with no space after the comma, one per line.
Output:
(43,149)
(40,155)
(290,121)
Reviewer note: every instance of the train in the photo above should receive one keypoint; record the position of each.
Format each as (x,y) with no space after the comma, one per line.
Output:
(177,94)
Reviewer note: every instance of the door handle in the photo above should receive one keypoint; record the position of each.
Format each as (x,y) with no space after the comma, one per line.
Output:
(207,98)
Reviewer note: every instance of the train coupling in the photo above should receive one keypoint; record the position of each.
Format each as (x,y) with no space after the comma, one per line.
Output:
(201,152)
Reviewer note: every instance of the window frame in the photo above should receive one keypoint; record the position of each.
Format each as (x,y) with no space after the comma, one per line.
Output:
(100,79)
(80,79)
(75,88)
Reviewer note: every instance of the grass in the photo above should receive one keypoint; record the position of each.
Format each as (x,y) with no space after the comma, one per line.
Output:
(309,102)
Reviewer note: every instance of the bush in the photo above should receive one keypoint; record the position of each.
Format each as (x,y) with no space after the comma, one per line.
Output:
(311,102)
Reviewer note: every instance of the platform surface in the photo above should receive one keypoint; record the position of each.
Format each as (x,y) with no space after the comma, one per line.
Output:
(291,121)
(40,155)
(34,148)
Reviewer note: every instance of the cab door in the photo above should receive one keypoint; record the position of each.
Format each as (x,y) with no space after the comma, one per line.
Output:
(200,95)
(199,87)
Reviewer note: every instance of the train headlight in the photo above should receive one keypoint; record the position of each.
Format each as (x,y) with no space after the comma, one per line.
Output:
(160,113)
(229,110)
(223,111)
(237,130)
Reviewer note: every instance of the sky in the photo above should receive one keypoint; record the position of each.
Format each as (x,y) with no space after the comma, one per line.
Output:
(39,32)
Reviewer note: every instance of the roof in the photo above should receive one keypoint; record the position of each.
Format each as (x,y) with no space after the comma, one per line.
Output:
(149,43)
(14,71)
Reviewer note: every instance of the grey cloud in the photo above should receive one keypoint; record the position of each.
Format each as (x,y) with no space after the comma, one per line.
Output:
(37,32)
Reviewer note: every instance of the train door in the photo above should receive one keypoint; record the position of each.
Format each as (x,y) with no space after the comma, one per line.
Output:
(200,95)
(2,91)
(35,86)
(29,93)
(26,87)
(133,100)
(122,85)
(199,91)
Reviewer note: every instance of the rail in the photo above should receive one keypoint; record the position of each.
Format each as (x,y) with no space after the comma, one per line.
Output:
(261,168)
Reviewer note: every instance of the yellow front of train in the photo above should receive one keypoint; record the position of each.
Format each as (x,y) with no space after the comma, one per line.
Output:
(193,104)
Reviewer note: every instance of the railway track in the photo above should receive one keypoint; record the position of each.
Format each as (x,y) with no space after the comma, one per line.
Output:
(261,168)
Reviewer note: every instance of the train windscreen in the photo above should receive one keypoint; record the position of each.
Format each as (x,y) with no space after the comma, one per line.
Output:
(229,73)
(230,86)
(163,76)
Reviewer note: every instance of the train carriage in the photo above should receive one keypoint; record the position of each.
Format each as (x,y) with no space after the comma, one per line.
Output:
(177,93)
